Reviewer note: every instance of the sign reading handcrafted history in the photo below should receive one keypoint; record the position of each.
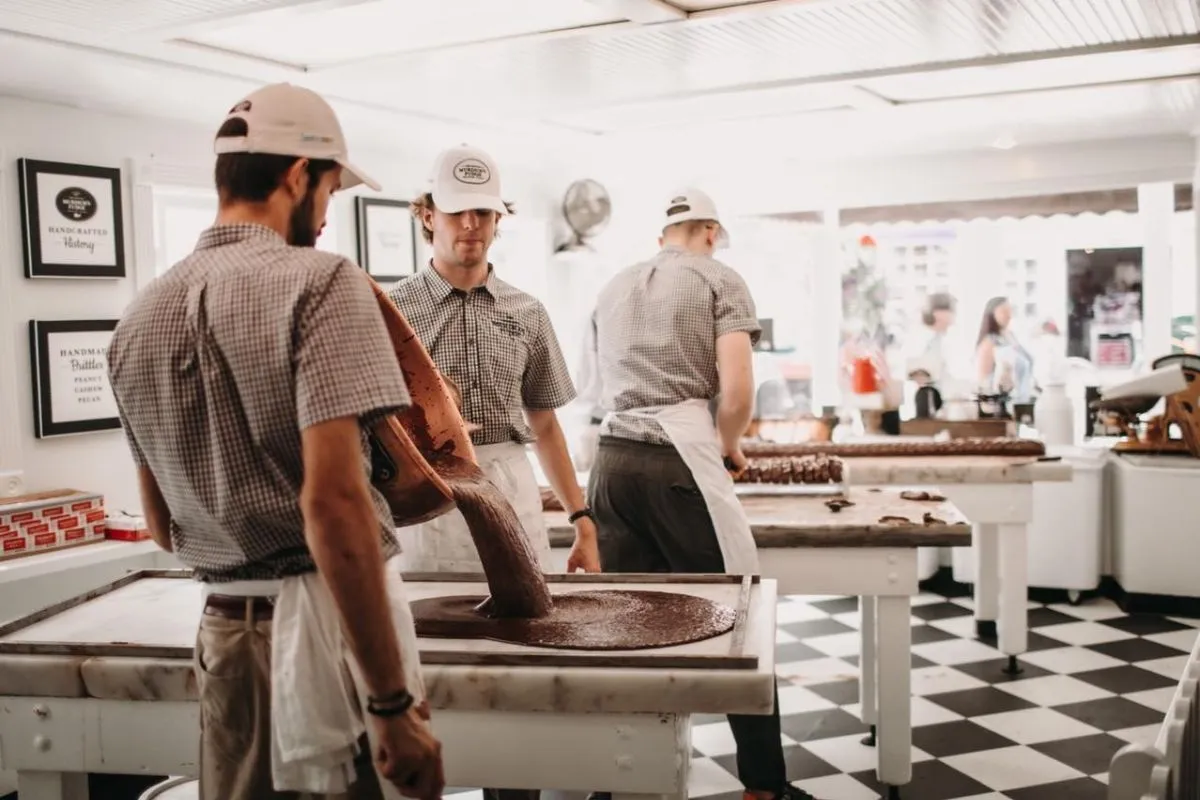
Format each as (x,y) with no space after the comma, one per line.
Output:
(71,220)
(71,391)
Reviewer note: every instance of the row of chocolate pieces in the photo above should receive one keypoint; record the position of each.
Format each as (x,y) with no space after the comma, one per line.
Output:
(792,469)
(970,446)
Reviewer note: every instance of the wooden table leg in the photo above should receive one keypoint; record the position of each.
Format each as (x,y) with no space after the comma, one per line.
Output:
(893,618)
(985,547)
(1014,594)
(868,666)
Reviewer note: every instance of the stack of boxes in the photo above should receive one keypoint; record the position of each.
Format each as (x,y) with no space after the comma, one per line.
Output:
(34,523)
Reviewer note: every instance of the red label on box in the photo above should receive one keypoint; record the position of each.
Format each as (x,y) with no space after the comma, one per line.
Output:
(15,543)
(24,516)
(44,539)
(95,516)
(10,534)
(82,506)
(40,527)
(98,528)
(54,511)
(67,521)
(73,534)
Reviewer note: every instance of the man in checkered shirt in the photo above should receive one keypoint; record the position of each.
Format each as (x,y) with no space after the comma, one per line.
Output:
(245,378)
(673,334)
(497,346)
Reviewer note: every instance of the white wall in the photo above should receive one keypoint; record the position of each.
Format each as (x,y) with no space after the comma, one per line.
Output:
(146,150)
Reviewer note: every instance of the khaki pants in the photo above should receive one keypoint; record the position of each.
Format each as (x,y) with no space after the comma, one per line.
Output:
(233,676)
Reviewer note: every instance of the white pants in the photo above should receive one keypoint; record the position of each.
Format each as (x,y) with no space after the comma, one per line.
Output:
(444,544)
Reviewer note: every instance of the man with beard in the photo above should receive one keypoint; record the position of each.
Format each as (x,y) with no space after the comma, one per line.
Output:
(672,334)
(496,344)
(245,377)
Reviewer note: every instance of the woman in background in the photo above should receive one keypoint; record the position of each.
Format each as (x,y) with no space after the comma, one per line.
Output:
(928,355)
(1004,365)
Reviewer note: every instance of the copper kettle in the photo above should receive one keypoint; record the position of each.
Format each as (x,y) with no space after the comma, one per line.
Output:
(402,443)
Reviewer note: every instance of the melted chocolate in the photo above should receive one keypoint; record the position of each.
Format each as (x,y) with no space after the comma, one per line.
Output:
(598,620)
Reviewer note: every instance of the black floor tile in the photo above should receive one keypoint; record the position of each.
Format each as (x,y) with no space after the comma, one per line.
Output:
(1134,650)
(1124,680)
(801,764)
(825,724)
(943,610)
(1041,617)
(1035,642)
(931,780)
(992,671)
(927,634)
(842,693)
(1111,713)
(837,605)
(1077,789)
(977,702)
(796,651)
(815,627)
(1143,624)
(955,738)
(1090,755)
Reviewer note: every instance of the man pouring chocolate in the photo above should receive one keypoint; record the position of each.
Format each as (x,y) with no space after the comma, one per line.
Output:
(672,334)
(245,378)
(497,346)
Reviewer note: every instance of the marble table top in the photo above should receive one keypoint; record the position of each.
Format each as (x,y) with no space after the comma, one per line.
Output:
(162,613)
(779,521)
(940,470)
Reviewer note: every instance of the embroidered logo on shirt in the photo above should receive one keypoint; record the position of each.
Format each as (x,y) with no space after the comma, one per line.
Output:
(510,325)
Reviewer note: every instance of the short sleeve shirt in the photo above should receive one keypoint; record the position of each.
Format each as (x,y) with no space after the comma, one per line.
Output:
(219,365)
(496,343)
(657,325)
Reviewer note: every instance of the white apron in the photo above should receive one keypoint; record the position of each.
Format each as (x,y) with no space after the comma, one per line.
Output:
(444,544)
(318,698)
(690,428)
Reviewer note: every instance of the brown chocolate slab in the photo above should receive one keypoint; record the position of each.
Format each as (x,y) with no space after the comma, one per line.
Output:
(595,620)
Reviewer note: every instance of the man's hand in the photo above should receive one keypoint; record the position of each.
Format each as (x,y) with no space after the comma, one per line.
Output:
(735,462)
(585,553)
(408,755)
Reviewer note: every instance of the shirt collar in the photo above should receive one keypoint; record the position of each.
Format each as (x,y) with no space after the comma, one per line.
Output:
(232,233)
(442,288)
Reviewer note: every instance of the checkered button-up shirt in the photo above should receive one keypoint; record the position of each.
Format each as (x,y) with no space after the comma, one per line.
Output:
(219,365)
(657,325)
(496,343)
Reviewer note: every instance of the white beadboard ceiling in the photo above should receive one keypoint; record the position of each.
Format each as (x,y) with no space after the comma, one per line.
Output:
(783,79)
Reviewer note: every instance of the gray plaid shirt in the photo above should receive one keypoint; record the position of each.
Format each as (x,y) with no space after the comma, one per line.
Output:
(657,325)
(218,366)
(496,342)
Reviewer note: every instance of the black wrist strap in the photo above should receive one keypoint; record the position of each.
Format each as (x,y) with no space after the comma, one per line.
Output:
(393,705)
(580,514)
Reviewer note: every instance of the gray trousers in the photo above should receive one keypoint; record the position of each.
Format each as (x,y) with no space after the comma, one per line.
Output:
(651,517)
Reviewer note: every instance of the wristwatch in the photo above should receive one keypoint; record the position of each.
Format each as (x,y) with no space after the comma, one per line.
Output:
(394,705)
(580,514)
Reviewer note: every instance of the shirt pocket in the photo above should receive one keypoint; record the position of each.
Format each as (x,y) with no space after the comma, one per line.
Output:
(507,354)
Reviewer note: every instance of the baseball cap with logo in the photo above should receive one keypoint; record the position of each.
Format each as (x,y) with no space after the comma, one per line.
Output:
(692,204)
(287,120)
(464,179)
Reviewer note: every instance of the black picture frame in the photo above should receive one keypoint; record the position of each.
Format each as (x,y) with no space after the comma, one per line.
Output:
(86,371)
(395,229)
(86,238)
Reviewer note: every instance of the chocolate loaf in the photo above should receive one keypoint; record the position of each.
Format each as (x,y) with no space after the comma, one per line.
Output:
(792,469)
(954,447)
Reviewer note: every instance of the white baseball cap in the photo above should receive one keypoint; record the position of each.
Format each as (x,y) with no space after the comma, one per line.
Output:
(288,120)
(692,204)
(465,178)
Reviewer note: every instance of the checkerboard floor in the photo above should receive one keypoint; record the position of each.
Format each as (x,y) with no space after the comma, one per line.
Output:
(1094,678)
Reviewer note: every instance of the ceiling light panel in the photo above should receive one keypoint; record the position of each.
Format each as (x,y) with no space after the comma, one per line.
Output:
(59,19)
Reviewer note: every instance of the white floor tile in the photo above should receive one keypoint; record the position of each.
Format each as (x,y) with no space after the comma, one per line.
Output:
(1033,726)
(1142,734)
(958,626)
(817,670)
(786,613)
(956,651)
(1012,768)
(714,739)
(938,680)
(1183,640)
(1095,608)
(1054,690)
(783,637)
(849,754)
(836,787)
(797,700)
(969,602)
(1102,777)
(1169,667)
(1157,699)
(1083,633)
(1069,660)
(923,713)
(925,599)
(708,777)
(838,644)
(1195,623)
(854,619)
(988,796)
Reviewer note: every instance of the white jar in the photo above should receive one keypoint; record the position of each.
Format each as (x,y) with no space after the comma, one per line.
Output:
(1054,416)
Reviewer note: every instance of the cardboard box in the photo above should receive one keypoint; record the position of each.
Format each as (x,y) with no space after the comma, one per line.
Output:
(44,521)
(126,528)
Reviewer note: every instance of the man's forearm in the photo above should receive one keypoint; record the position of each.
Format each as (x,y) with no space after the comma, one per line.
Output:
(733,418)
(154,507)
(343,538)
(552,453)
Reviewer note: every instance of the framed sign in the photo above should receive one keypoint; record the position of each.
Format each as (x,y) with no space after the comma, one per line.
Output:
(69,363)
(71,220)
(387,238)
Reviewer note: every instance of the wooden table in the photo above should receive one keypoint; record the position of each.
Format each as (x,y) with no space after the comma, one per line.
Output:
(809,549)
(104,683)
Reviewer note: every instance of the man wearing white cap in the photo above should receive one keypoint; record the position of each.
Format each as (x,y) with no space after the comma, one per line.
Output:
(672,334)
(244,378)
(497,345)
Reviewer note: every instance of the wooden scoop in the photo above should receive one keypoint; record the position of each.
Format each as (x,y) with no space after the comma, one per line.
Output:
(402,443)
